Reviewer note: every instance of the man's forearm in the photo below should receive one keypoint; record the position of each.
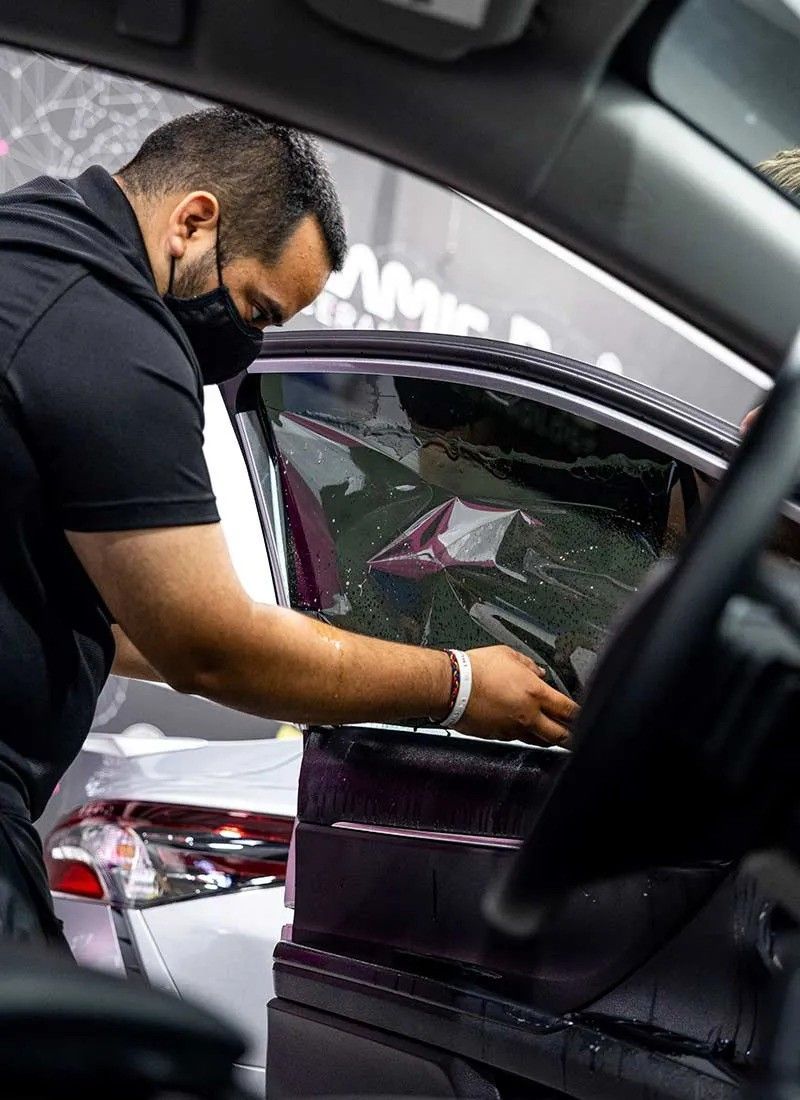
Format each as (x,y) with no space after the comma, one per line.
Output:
(286,665)
(175,592)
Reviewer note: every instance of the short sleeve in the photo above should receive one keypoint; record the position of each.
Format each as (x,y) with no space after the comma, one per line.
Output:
(113,413)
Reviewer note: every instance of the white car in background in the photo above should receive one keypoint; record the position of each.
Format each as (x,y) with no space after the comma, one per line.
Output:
(167,840)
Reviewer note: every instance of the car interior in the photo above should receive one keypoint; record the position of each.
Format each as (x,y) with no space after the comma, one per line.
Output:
(490,920)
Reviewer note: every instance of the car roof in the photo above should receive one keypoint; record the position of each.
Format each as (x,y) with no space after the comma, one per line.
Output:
(558,130)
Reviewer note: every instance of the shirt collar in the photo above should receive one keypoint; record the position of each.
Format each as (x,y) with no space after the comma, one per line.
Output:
(105,198)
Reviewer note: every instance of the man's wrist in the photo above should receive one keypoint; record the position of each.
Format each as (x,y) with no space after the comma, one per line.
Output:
(441,680)
(460,689)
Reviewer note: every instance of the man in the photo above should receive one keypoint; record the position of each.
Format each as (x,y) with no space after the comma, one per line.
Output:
(119,298)
(784,171)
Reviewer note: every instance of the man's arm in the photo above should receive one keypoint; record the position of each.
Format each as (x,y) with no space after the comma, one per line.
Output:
(118,425)
(128,661)
(176,596)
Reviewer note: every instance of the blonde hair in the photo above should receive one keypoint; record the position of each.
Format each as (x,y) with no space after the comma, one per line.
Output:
(784,170)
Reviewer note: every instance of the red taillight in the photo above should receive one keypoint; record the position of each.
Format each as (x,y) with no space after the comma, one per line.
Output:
(68,876)
(147,853)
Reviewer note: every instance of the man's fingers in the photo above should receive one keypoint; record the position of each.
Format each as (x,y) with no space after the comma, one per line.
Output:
(554,703)
(557,705)
(553,732)
(549,731)
(512,700)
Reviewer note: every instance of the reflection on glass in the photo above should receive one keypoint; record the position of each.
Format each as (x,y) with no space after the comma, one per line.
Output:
(440,514)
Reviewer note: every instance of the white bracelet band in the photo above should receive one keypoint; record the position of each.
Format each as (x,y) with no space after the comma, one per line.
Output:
(464,690)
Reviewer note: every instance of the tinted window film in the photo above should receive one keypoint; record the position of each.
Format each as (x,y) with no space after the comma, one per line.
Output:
(441,514)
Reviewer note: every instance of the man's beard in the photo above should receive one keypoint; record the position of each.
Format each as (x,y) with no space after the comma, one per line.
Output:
(193,279)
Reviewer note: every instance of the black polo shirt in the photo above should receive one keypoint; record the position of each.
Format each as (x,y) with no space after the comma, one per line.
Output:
(101,425)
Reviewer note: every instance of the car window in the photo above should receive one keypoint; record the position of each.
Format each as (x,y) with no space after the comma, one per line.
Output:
(421,258)
(733,68)
(443,514)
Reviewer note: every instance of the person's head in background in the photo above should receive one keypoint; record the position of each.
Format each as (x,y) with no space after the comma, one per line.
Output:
(784,171)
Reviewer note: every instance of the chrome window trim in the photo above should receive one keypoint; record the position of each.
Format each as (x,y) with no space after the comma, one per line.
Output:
(511,843)
(672,445)
(277,561)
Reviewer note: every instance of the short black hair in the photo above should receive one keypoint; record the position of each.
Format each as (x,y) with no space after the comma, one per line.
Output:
(266,176)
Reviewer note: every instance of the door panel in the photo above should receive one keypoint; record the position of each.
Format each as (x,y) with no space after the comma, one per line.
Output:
(440,784)
(453,493)
(399,836)
(533,1052)
(362,1062)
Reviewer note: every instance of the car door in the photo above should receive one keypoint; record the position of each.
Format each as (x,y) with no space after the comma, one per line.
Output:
(446,491)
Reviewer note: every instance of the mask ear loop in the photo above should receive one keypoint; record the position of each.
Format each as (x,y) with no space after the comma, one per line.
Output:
(216,252)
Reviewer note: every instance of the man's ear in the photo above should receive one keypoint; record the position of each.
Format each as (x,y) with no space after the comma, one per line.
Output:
(195,212)
(199,211)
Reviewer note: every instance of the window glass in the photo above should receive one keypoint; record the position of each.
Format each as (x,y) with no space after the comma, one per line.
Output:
(733,68)
(442,514)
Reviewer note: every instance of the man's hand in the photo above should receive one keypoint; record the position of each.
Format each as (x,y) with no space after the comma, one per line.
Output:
(510,701)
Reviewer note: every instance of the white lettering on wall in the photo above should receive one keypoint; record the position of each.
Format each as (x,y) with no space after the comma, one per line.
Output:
(528,333)
(391,297)
(390,290)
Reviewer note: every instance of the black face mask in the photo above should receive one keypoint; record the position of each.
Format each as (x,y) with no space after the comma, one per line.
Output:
(224,344)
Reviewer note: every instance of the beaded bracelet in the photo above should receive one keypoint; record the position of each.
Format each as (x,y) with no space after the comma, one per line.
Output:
(455,679)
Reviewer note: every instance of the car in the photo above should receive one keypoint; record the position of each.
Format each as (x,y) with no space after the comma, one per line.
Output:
(431,487)
(371,290)
(167,859)
(121,755)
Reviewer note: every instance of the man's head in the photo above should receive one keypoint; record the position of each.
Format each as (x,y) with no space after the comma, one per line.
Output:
(223,185)
(784,170)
